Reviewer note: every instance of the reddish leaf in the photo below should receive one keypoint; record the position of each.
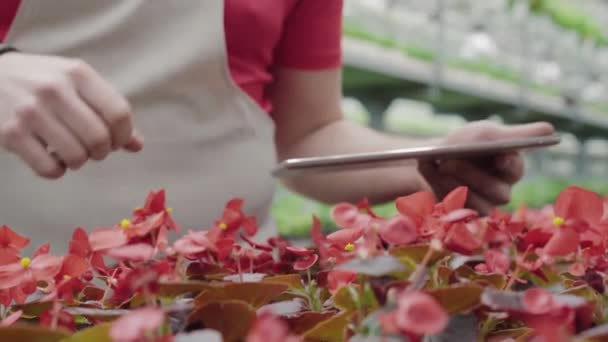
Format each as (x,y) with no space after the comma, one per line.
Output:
(255,294)
(458,298)
(221,316)
(299,251)
(415,253)
(330,330)
(31,334)
(308,320)
(293,281)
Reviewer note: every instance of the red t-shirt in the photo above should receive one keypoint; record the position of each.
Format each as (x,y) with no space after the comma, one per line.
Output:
(260,34)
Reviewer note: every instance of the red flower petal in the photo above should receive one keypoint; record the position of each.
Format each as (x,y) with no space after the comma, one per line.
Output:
(459,239)
(398,230)
(43,249)
(79,245)
(256,245)
(456,199)
(338,279)
(538,301)
(345,236)
(7,257)
(106,238)
(250,225)
(135,252)
(344,214)
(563,242)
(12,275)
(235,204)
(299,251)
(11,319)
(416,206)
(10,239)
(315,231)
(145,227)
(45,266)
(305,262)
(581,204)
(155,202)
(74,266)
(458,215)
(268,328)
(419,313)
(497,261)
(136,325)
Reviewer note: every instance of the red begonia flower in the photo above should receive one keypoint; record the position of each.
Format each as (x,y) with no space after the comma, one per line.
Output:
(345,214)
(106,238)
(11,319)
(538,301)
(305,262)
(338,279)
(575,203)
(345,238)
(269,328)
(456,199)
(417,206)
(497,261)
(461,240)
(42,268)
(136,252)
(12,242)
(417,313)
(398,230)
(299,251)
(565,241)
(137,325)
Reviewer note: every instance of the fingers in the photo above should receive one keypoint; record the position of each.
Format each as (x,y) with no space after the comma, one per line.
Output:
(510,167)
(493,189)
(485,192)
(111,107)
(17,139)
(84,124)
(44,125)
(525,131)
(135,143)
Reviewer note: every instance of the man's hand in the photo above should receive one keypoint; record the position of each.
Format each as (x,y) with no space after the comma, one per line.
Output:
(58,113)
(489,179)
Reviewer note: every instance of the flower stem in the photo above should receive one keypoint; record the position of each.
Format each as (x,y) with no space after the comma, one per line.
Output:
(55,314)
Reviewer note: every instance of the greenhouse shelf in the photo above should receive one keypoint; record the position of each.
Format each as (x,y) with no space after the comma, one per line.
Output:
(384,67)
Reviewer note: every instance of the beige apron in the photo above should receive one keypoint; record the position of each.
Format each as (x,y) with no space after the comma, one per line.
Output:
(205,140)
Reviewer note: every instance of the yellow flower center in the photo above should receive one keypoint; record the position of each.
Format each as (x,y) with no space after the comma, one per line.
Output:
(169,210)
(67,277)
(558,221)
(25,262)
(223,226)
(349,247)
(125,223)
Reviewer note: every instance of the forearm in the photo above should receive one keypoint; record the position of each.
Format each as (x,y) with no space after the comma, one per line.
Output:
(377,184)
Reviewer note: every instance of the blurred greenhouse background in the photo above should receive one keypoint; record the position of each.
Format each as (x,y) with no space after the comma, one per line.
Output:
(426,67)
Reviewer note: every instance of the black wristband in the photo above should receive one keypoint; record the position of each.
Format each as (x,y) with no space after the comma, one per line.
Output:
(5,48)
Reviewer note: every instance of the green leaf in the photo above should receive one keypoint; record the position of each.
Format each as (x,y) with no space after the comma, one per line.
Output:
(458,298)
(331,330)
(98,333)
(375,267)
(22,332)
(344,299)
(34,309)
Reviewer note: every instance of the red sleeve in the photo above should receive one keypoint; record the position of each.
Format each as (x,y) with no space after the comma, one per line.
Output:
(8,11)
(312,36)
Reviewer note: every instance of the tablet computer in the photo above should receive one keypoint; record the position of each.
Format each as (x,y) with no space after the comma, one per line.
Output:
(297,166)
